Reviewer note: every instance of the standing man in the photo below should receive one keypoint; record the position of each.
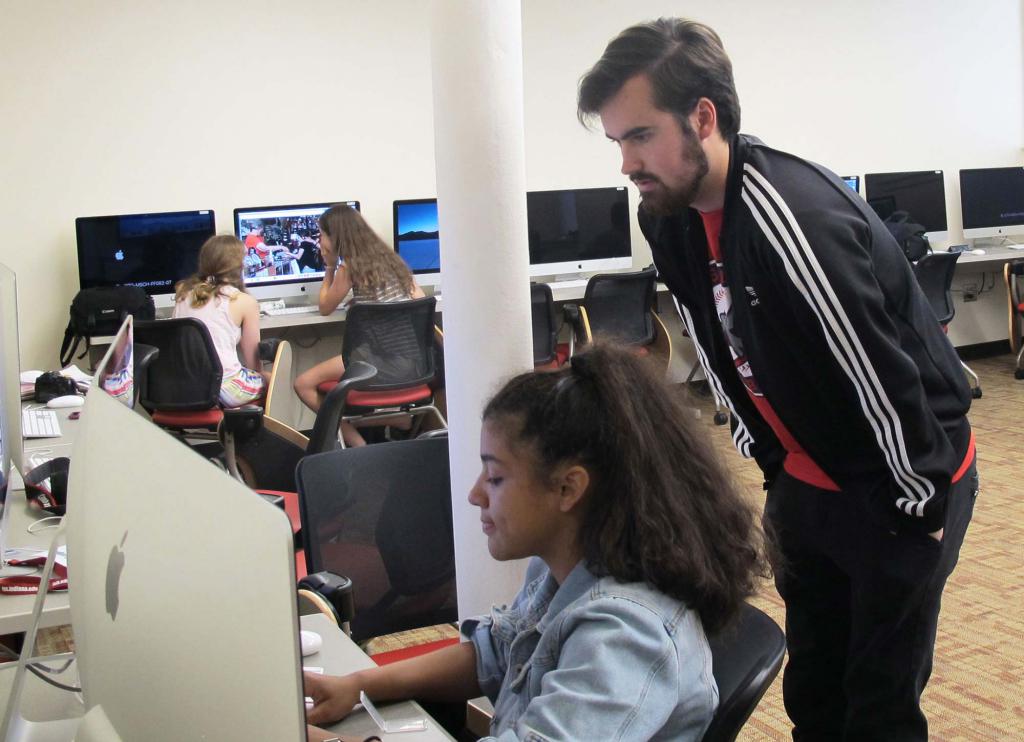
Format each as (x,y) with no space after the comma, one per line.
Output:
(812,330)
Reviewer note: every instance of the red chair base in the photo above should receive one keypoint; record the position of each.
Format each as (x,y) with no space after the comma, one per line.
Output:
(392,398)
(184,419)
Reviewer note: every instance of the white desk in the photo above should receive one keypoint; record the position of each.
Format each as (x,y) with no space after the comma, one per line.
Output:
(994,256)
(338,655)
(983,318)
(16,610)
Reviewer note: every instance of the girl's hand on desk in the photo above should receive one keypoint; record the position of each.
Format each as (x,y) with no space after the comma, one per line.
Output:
(333,697)
(315,734)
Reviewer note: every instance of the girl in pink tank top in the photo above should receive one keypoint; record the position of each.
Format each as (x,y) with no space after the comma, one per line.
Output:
(216,296)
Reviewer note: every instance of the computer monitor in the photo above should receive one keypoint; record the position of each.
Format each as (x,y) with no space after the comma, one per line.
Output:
(115,373)
(11,447)
(992,201)
(921,194)
(417,239)
(153,251)
(577,230)
(181,583)
(11,444)
(852,182)
(282,248)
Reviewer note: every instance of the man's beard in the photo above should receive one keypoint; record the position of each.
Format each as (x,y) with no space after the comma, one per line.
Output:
(666,201)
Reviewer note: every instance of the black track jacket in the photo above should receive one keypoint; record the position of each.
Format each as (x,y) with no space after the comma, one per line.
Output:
(839,336)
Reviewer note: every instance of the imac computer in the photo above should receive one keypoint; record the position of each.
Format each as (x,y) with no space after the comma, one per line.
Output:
(852,182)
(578,230)
(282,245)
(11,449)
(154,534)
(11,444)
(992,202)
(152,251)
(416,238)
(921,194)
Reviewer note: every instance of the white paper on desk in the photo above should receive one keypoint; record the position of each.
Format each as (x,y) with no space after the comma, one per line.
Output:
(77,375)
(60,558)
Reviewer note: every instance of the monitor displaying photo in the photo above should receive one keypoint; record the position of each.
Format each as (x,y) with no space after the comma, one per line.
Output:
(282,243)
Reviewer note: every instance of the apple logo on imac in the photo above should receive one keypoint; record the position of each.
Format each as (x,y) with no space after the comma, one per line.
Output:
(115,564)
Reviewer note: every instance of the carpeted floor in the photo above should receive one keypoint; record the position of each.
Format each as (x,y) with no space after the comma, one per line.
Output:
(977,687)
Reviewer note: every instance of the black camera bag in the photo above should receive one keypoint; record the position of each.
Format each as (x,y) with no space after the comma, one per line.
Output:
(100,311)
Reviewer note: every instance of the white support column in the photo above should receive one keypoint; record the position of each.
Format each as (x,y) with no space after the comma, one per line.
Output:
(481,192)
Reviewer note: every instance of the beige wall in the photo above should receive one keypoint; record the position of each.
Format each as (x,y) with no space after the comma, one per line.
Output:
(120,107)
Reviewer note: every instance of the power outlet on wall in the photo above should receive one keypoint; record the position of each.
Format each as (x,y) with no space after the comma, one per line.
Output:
(970,291)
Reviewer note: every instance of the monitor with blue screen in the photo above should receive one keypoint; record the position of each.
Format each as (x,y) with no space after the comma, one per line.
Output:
(852,182)
(152,251)
(282,247)
(417,238)
(921,194)
(992,201)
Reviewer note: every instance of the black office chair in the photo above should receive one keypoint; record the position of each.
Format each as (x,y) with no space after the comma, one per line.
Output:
(745,658)
(381,516)
(400,341)
(620,307)
(934,273)
(544,319)
(1012,273)
(180,388)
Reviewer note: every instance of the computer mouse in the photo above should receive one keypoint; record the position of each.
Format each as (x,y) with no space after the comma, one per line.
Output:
(68,400)
(977,251)
(310,642)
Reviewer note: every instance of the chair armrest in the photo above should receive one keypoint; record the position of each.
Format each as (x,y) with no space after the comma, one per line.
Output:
(242,423)
(144,357)
(331,594)
(325,428)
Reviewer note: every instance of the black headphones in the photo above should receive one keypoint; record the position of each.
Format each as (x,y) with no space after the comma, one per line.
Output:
(46,486)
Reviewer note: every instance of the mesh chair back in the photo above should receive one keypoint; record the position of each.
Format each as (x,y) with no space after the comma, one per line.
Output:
(745,658)
(381,515)
(619,305)
(397,338)
(186,375)
(545,328)
(934,274)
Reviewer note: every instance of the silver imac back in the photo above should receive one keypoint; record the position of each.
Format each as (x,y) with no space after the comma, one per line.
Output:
(182,588)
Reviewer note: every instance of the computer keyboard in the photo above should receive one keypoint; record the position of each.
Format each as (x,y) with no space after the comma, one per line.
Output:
(299,309)
(39,424)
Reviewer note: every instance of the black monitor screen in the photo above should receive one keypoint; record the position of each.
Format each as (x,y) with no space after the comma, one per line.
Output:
(282,243)
(921,194)
(417,237)
(992,197)
(152,251)
(577,225)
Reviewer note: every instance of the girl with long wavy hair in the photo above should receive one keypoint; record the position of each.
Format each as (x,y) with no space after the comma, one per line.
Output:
(641,545)
(371,270)
(216,296)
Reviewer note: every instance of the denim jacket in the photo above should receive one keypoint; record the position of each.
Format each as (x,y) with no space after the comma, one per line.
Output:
(593,659)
